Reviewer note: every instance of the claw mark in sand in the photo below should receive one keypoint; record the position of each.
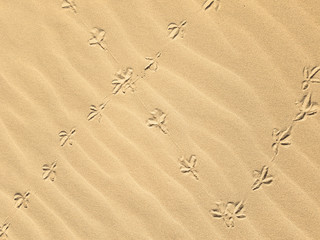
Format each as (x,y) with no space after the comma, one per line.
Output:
(153,64)
(211,3)
(22,199)
(69,4)
(261,177)
(188,166)
(49,172)
(306,107)
(158,120)
(64,136)
(3,230)
(97,38)
(96,111)
(280,138)
(176,29)
(123,81)
(309,77)
(228,212)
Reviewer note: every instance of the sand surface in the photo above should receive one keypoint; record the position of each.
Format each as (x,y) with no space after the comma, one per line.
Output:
(164,119)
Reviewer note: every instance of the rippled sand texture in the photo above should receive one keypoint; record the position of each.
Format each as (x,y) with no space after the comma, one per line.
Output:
(217,91)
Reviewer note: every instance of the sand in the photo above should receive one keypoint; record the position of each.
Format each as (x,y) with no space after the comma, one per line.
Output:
(168,119)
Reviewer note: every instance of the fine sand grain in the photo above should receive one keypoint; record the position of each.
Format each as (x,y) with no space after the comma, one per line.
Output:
(160,120)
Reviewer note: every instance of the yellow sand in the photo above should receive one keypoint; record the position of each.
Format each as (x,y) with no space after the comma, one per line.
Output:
(232,74)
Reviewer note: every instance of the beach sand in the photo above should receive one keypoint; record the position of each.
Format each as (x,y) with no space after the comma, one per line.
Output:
(163,120)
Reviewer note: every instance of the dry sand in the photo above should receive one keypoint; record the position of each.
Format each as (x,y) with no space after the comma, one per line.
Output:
(81,159)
